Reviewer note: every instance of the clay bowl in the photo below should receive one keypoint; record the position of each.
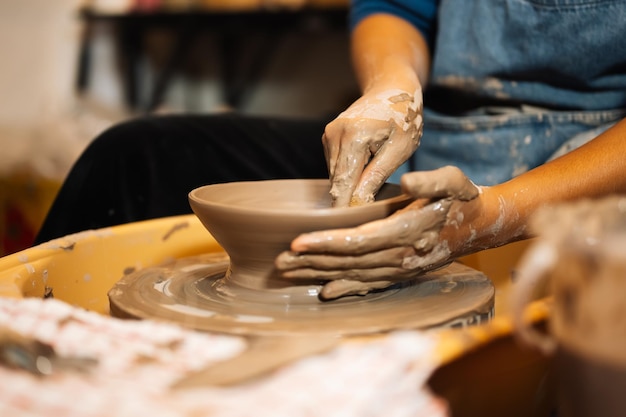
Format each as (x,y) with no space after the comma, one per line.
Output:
(254,221)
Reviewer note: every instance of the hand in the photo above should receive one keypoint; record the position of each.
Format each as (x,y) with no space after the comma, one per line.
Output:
(366,143)
(378,254)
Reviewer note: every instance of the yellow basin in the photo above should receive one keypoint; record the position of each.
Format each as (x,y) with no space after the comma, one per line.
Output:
(480,371)
(81,268)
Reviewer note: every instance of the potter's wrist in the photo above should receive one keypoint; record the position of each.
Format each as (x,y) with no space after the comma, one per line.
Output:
(474,225)
(413,89)
(501,221)
(404,79)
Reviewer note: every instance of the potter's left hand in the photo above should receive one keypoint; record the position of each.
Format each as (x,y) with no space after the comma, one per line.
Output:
(381,253)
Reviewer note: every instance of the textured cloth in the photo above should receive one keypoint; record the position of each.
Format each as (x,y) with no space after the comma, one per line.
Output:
(139,360)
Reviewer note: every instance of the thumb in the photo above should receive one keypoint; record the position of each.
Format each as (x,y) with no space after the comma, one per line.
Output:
(445,182)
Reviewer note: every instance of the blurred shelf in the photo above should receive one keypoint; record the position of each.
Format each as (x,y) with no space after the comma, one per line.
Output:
(209,6)
(233,27)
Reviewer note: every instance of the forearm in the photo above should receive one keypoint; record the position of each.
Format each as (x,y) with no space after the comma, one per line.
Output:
(596,169)
(388,52)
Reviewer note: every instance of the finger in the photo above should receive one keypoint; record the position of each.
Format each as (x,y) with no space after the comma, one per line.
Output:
(410,266)
(389,257)
(344,287)
(400,229)
(448,181)
(364,275)
(331,151)
(348,169)
(393,153)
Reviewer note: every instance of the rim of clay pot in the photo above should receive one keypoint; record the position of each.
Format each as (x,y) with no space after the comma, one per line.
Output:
(244,208)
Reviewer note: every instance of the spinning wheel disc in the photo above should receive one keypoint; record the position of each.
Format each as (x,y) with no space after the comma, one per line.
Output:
(194,293)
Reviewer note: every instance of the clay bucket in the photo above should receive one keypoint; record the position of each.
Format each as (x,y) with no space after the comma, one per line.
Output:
(580,257)
(254,221)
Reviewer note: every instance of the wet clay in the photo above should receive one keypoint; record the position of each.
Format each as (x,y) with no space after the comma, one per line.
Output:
(255,221)
(194,293)
(240,291)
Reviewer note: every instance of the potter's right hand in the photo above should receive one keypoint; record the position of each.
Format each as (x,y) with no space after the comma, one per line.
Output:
(429,233)
(366,143)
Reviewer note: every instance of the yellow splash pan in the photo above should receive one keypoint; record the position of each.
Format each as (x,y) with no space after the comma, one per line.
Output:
(481,370)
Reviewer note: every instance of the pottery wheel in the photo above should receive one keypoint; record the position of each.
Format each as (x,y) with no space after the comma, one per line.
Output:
(191,292)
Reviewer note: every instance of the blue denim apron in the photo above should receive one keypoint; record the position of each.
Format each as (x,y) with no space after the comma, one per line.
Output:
(516,81)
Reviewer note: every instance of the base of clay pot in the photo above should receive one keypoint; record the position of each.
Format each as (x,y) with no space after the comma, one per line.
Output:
(193,292)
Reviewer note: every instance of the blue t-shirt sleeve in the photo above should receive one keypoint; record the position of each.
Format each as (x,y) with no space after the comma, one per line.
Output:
(420,13)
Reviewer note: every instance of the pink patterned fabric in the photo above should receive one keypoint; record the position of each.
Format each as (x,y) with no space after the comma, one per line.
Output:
(139,360)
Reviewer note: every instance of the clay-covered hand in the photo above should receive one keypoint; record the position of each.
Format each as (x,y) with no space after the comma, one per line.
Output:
(402,246)
(366,143)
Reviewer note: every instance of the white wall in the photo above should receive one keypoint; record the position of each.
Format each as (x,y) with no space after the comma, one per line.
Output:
(38,40)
